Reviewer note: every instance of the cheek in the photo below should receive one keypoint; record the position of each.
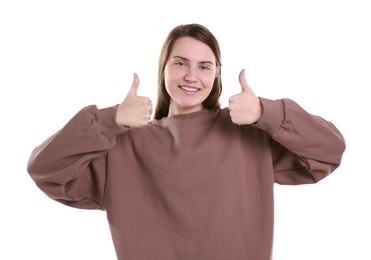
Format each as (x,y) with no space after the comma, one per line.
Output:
(208,82)
(166,74)
(171,75)
(167,79)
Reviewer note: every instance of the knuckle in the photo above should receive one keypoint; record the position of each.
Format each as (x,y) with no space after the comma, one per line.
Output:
(147,101)
(143,100)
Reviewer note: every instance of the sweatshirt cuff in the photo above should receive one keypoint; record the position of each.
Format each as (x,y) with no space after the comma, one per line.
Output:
(106,118)
(272,117)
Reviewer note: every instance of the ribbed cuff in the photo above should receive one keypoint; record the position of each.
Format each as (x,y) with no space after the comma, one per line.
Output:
(273,115)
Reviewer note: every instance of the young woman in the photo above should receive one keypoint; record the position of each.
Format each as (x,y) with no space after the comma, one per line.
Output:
(197,181)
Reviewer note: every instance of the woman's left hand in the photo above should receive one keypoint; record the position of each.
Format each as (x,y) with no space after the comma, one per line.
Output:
(245,108)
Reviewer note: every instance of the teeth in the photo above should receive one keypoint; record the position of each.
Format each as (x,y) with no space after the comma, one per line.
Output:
(189,89)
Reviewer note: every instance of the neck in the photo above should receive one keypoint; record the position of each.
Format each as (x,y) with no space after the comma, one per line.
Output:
(183,110)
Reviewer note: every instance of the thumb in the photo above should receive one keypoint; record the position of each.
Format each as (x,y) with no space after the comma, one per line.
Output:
(244,86)
(134,86)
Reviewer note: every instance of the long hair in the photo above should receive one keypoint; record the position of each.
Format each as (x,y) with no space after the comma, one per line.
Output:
(202,34)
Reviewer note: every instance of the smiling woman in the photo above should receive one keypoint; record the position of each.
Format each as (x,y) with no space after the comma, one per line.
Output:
(197,181)
(189,75)
(201,59)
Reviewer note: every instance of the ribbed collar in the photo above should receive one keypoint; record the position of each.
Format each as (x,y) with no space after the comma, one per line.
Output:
(205,113)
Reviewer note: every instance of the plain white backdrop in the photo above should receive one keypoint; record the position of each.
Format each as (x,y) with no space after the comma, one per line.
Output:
(59,56)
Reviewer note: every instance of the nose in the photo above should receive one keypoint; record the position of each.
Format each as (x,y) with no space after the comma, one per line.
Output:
(191,75)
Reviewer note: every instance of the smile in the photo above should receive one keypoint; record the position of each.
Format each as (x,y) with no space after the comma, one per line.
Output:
(189,89)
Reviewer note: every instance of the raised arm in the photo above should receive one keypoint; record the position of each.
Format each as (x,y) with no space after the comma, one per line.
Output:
(305,147)
(70,166)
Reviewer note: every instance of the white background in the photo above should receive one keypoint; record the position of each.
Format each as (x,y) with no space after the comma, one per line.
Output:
(59,56)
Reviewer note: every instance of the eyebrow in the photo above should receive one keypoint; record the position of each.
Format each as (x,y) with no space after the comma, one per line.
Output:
(184,58)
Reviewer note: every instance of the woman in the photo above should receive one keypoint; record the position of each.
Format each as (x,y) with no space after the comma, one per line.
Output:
(197,181)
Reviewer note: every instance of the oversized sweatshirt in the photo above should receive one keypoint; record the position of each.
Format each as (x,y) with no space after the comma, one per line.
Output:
(187,187)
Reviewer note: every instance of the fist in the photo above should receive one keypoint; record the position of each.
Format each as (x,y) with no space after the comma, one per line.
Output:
(245,108)
(134,111)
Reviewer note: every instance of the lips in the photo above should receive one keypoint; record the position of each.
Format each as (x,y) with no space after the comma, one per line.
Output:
(189,88)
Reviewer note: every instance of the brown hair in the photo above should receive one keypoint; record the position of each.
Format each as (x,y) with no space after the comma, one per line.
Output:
(202,34)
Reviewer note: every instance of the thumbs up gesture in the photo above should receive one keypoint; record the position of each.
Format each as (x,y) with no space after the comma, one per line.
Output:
(134,111)
(245,108)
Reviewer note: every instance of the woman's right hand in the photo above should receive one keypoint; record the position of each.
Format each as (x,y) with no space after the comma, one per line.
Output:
(134,111)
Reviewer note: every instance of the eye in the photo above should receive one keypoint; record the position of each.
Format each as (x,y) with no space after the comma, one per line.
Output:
(205,67)
(179,63)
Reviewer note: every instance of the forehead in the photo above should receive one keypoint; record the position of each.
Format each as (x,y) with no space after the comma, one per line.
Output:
(192,49)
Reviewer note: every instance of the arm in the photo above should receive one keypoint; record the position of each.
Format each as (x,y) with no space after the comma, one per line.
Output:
(305,148)
(70,166)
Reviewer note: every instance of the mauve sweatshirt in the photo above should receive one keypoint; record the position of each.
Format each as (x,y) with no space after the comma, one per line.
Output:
(187,187)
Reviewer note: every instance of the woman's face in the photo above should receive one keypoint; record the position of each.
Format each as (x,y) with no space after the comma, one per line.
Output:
(189,75)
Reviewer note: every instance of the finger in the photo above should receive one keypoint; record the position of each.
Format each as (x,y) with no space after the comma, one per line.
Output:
(243,82)
(134,86)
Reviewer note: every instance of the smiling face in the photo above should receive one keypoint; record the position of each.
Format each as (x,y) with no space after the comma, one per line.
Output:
(189,75)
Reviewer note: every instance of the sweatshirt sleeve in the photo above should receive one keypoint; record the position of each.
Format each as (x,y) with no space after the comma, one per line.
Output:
(70,166)
(305,148)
